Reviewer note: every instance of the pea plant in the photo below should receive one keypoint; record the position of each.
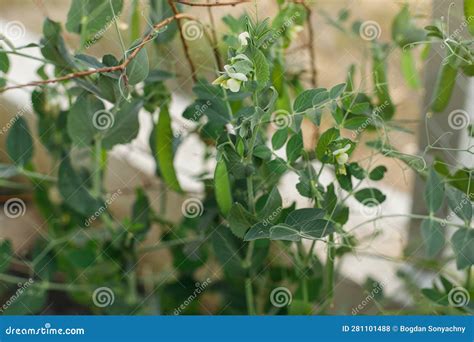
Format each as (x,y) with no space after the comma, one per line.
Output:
(240,247)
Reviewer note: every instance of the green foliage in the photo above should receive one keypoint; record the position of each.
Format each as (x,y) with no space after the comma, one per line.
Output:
(250,120)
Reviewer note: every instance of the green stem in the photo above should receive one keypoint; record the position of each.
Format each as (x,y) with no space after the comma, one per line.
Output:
(468,277)
(329,278)
(43,284)
(97,176)
(249,297)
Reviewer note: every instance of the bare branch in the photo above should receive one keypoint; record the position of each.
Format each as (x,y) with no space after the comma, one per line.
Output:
(150,36)
(183,40)
(214,4)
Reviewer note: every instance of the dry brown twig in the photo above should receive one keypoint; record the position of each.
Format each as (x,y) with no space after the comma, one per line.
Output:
(214,4)
(183,41)
(121,67)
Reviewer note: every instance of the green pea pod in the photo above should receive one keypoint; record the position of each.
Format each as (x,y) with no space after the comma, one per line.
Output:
(222,187)
(444,87)
(385,105)
(469,14)
(164,149)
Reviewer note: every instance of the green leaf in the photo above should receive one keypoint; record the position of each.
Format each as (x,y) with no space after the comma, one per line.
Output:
(260,230)
(4,62)
(294,147)
(279,138)
(320,98)
(272,208)
(304,101)
(164,149)
(434,191)
(222,187)
(160,10)
(284,232)
(74,191)
(433,237)
(262,70)
(317,229)
(336,91)
(459,203)
(5,255)
(302,217)
(84,117)
(141,215)
(91,18)
(377,173)
(262,152)
(138,68)
(53,45)
(20,142)
(370,196)
(463,246)
(240,220)
(324,141)
(226,248)
(125,125)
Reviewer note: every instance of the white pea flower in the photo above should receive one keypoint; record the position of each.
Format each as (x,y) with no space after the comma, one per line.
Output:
(231,79)
(243,38)
(342,157)
(295,30)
